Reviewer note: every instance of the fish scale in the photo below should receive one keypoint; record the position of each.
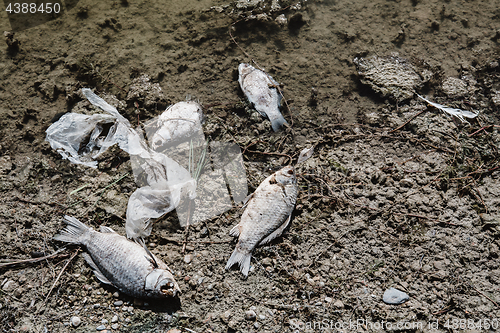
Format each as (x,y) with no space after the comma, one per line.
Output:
(117,261)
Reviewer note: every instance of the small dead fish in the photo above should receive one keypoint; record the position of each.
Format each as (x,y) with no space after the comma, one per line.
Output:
(178,122)
(268,213)
(261,90)
(120,262)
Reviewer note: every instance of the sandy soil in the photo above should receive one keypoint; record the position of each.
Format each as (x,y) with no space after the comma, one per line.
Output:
(417,208)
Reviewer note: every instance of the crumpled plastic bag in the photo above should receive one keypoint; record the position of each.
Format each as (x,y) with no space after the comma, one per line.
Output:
(67,137)
(148,203)
(78,138)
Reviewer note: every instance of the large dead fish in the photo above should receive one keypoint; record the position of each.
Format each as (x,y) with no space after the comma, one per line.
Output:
(261,90)
(120,262)
(267,214)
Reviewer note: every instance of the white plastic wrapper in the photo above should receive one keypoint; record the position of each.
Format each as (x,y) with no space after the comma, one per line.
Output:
(148,203)
(68,134)
(166,179)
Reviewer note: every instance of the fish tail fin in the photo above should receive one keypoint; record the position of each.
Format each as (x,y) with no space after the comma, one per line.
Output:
(277,122)
(73,232)
(242,259)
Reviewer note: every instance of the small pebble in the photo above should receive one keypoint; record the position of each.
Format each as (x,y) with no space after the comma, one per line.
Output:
(118,303)
(104,321)
(116,294)
(75,321)
(394,296)
(114,319)
(9,286)
(267,262)
(226,316)
(338,304)
(262,317)
(328,299)
(250,315)
(115,326)
(18,292)
(233,324)
(100,328)
(188,258)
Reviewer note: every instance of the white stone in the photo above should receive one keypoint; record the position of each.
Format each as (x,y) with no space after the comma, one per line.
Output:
(75,321)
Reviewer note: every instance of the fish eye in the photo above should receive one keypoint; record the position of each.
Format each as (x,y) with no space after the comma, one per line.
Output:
(290,172)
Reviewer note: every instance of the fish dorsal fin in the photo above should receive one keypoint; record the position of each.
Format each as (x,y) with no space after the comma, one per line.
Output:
(277,232)
(107,230)
(235,232)
(247,199)
(150,257)
(97,272)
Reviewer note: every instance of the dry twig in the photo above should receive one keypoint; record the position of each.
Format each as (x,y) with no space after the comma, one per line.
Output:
(406,122)
(13,262)
(60,273)
(492,301)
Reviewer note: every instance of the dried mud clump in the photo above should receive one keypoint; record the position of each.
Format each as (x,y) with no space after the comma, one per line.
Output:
(147,94)
(263,10)
(12,43)
(391,76)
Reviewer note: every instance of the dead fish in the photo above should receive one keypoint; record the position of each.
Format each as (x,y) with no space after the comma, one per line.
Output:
(178,122)
(117,261)
(261,90)
(267,214)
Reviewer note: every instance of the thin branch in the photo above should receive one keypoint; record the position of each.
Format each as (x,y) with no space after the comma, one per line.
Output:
(492,301)
(406,122)
(14,262)
(60,273)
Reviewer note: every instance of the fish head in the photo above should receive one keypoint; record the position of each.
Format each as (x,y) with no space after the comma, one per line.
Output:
(244,69)
(286,175)
(160,283)
(160,138)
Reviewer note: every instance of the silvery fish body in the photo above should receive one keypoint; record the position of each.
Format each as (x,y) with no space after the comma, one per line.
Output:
(261,90)
(266,216)
(178,122)
(117,261)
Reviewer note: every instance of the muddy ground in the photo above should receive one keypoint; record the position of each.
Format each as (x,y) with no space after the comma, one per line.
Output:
(417,208)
